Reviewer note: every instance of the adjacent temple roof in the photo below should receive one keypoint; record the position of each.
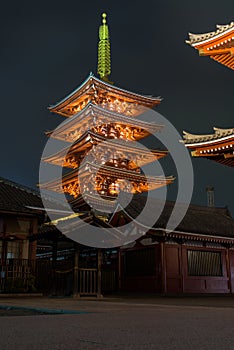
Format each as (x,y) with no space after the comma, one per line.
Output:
(199,224)
(19,199)
(218,135)
(199,220)
(16,198)
(195,39)
(218,146)
(219,44)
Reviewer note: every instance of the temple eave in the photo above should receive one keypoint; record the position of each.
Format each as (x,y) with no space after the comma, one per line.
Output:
(218,45)
(72,156)
(222,31)
(71,181)
(92,87)
(92,117)
(219,136)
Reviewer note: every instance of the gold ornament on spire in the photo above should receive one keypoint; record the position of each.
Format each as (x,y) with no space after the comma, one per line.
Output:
(104,55)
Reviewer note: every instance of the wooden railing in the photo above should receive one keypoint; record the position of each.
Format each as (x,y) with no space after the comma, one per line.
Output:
(53,278)
(87,281)
(17,275)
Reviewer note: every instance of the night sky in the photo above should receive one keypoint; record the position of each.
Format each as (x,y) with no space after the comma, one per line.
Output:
(49,47)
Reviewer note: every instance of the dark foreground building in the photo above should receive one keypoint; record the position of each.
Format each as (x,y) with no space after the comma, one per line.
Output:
(17,223)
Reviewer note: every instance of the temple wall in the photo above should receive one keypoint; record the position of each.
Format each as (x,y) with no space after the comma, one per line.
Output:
(204,279)
(149,277)
(178,268)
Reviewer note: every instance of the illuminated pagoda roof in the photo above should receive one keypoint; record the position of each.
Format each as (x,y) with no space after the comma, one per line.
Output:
(218,45)
(218,146)
(105,95)
(87,169)
(71,156)
(92,116)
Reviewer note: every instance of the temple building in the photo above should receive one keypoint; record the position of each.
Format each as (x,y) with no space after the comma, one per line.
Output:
(219,45)
(98,112)
(196,257)
(17,220)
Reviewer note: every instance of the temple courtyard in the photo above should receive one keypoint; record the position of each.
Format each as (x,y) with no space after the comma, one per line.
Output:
(118,323)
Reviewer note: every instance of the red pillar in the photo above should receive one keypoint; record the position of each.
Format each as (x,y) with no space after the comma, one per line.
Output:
(163,268)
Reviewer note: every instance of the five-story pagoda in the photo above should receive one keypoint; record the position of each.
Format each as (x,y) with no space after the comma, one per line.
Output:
(98,113)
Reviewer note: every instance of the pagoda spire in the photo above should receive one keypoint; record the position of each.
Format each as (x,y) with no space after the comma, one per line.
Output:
(104,54)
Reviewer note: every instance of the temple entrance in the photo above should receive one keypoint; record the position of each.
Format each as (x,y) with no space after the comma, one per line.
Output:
(85,272)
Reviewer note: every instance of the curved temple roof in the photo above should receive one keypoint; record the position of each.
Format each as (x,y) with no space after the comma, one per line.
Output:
(118,146)
(93,115)
(218,135)
(91,89)
(219,44)
(196,39)
(154,182)
(218,147)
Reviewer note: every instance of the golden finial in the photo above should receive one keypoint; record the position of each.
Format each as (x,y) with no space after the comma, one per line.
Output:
(104,18)
(104,55)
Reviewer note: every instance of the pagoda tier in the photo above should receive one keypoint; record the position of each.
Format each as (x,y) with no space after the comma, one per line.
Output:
(218,146)
(121,153)
(218,45)
(99,120)
(106,180)
(105,95)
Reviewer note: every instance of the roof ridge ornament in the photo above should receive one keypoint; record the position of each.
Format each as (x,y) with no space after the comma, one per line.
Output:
(104,54)
(195,39)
